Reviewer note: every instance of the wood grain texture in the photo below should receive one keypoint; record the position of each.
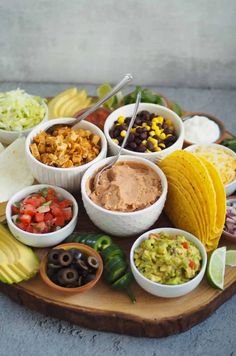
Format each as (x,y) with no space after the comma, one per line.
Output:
(104,309)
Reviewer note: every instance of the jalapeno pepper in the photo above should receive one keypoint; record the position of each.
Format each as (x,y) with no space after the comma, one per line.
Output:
(111,251)
(122,284)
(114,269)
(96,241)
(115,266)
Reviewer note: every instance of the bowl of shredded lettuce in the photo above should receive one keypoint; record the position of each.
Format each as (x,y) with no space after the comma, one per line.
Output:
(20,112)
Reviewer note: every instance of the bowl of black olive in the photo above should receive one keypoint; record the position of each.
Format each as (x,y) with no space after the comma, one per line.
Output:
(71,268)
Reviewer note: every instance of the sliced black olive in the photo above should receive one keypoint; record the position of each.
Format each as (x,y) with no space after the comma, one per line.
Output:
(65,258)
(53,266)
(90,277)
(53,255)
(67,276)
(77,254)
(93,262)
(82,265)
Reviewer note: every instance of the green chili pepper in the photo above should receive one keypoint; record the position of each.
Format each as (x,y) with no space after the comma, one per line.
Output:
(114,269)
(111,251)
(122,284)
(96,241)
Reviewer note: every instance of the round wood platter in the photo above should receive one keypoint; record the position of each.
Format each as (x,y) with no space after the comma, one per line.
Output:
(104,309)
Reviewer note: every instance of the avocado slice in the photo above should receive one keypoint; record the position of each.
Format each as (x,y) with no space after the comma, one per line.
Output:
(26,262)
(5,269)
(12,260)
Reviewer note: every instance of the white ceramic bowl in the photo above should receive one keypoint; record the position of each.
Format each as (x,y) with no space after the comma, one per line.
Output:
(122,223)
(7,137)
(164,290)
(68,178)
(127,110)
(41,240)
(230,187)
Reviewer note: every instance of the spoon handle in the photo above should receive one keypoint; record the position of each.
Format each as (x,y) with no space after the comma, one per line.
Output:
(127,78)
(138,98)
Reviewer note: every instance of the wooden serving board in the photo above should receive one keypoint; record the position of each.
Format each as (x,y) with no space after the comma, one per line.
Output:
(104,309)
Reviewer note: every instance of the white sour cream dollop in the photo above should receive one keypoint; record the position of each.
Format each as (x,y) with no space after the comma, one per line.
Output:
(200,129)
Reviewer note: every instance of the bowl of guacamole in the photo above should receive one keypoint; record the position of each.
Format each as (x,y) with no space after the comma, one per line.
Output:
(168,262)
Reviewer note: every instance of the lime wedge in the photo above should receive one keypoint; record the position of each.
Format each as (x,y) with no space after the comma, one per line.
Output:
(231,258)
(103,90)
(216,268)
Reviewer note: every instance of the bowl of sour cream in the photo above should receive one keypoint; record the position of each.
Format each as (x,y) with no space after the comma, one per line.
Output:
(202,128)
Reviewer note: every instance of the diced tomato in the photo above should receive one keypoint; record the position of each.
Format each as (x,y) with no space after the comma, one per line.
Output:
(60,221)
(65,203)
(41,227)
(191,264)
(29,228)
(27,209)
(25,219)
(185,245)
(35,201)
(56,210)
(14,209)
(39,217)
(67,213)
(21,226)
(48,217)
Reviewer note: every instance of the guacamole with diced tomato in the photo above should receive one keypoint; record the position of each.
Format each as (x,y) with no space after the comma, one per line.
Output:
(167,259)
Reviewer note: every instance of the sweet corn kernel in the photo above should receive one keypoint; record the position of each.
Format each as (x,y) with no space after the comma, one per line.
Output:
(154,126)
(144,124)
(147,151)
(123,133)
(157,131)
(157,149)
(153,140)
(133,130)
(162,136)
(160,120)
(168,122)
(121,120)
(162,145)
(152,133)
(144,142)
(148,128)
(115,141)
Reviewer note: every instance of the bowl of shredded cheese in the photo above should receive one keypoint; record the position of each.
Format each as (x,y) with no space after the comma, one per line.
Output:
(224,160)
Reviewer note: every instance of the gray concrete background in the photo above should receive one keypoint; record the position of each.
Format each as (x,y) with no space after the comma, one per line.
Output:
(172,42)
(23,332)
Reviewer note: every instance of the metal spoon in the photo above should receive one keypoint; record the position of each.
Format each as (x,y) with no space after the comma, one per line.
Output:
(115,159)
(127,79)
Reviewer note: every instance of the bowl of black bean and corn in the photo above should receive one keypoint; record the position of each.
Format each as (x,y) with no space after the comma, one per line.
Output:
(157,131)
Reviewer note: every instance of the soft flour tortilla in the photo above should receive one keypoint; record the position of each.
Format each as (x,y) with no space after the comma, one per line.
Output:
(14,171)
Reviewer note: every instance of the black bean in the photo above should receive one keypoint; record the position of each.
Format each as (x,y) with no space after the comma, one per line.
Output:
(116,132)
(141,148)
(138,140)
(144,136)
(133,145)
(127,120)
(139,130)
(150,145)
(131,137)
(138,121)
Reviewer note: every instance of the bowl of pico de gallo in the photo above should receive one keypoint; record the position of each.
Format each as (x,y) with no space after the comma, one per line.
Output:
(42,215)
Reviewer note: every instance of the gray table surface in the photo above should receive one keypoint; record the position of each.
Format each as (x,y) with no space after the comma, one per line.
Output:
(24,332)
